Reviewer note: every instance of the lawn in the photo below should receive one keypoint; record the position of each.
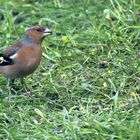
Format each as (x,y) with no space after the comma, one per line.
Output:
(87,86)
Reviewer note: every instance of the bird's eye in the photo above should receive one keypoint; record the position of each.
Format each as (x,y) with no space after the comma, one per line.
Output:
(40,30)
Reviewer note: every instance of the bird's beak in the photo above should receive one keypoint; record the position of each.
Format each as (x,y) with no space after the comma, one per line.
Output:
(47,32)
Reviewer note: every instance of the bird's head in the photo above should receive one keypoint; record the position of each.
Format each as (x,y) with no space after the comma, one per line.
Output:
(37,33)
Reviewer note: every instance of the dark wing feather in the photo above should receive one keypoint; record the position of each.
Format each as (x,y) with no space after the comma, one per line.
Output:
(10,51)
(5,60)
(5,56)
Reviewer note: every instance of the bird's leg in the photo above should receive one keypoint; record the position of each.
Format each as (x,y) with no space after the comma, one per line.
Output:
(23,84)
(10,82)
(21,81)
(28,92)
(10,86)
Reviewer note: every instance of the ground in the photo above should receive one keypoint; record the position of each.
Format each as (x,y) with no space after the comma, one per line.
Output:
(87,86)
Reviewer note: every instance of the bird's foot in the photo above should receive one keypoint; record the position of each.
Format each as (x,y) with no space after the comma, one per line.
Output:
(15,89)
(29,95)
(10,91)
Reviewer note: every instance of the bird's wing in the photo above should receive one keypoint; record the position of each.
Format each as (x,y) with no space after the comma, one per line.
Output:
(6,57)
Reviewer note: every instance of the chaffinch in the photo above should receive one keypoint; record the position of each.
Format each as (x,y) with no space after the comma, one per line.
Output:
(22,58)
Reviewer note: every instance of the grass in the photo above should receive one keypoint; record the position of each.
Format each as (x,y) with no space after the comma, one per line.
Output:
(88,83)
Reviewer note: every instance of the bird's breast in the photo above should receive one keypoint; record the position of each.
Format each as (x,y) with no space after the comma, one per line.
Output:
(28,62)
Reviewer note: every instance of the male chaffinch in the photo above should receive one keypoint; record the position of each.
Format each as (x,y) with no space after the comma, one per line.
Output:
(22,58)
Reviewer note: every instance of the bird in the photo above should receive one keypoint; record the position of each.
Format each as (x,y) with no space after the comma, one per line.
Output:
(24,56)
